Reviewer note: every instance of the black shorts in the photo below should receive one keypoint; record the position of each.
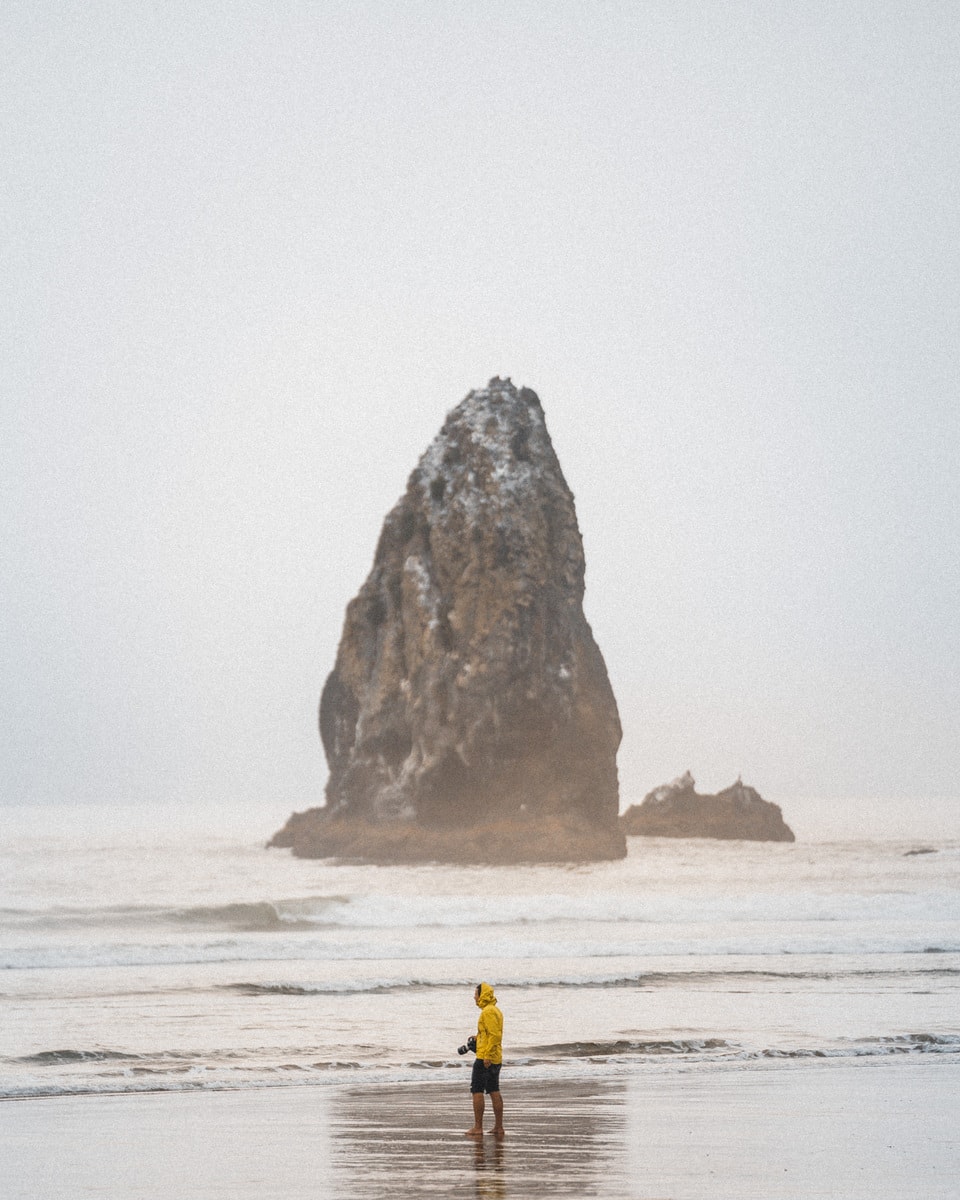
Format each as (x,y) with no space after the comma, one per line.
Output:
(485,1079)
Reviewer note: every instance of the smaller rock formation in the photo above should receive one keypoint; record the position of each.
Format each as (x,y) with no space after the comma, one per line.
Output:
(676,810)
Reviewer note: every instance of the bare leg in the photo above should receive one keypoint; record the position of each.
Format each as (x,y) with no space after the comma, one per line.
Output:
(477,1130)
(497,1101)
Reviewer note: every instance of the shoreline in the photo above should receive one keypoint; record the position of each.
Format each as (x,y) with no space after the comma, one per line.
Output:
(877,1128)
(591,1065)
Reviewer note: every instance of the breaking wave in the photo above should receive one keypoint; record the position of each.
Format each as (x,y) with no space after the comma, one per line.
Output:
(47,1058)
(239,916)
(621,1047)
(111,1071)
(873,1047)
(653,979)
(406,912)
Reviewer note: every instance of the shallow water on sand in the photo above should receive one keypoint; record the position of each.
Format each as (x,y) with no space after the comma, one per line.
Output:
(858,1129)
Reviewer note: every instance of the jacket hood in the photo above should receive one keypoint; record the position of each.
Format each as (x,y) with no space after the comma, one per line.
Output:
(486,996)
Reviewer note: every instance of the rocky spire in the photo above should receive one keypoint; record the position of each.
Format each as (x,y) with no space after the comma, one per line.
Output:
(469,715)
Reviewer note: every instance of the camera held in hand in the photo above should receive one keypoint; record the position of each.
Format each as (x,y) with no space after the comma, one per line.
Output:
(469,1046)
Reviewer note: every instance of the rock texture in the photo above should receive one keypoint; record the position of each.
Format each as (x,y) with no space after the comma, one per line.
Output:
(469,716)
(676,810)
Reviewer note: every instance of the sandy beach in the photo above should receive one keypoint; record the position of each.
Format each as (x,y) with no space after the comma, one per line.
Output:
(883,1129)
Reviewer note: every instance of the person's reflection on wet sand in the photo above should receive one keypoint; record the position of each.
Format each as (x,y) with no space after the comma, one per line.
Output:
(488,1162)
(566,1140)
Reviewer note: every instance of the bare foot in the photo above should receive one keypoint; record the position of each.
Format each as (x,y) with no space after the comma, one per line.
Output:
(474,1132)
(499,1131)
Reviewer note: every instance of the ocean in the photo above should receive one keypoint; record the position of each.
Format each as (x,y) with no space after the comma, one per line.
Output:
(163,955)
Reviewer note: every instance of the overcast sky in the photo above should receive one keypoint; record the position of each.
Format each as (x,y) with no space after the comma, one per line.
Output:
(253,252)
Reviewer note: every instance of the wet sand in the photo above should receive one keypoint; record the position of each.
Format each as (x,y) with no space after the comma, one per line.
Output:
(884,1129)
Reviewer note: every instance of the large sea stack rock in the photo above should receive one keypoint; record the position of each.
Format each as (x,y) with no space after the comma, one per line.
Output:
(469,717)
(677,810)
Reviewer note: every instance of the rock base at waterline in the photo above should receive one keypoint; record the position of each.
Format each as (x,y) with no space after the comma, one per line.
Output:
(314,834)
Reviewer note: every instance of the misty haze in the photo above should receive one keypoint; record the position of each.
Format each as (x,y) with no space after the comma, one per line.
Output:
(649,721)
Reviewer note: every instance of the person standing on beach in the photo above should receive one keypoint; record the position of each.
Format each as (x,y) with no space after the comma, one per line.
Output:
(486,1066)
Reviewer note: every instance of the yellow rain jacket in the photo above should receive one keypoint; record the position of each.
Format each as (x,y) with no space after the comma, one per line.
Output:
(489,1026)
